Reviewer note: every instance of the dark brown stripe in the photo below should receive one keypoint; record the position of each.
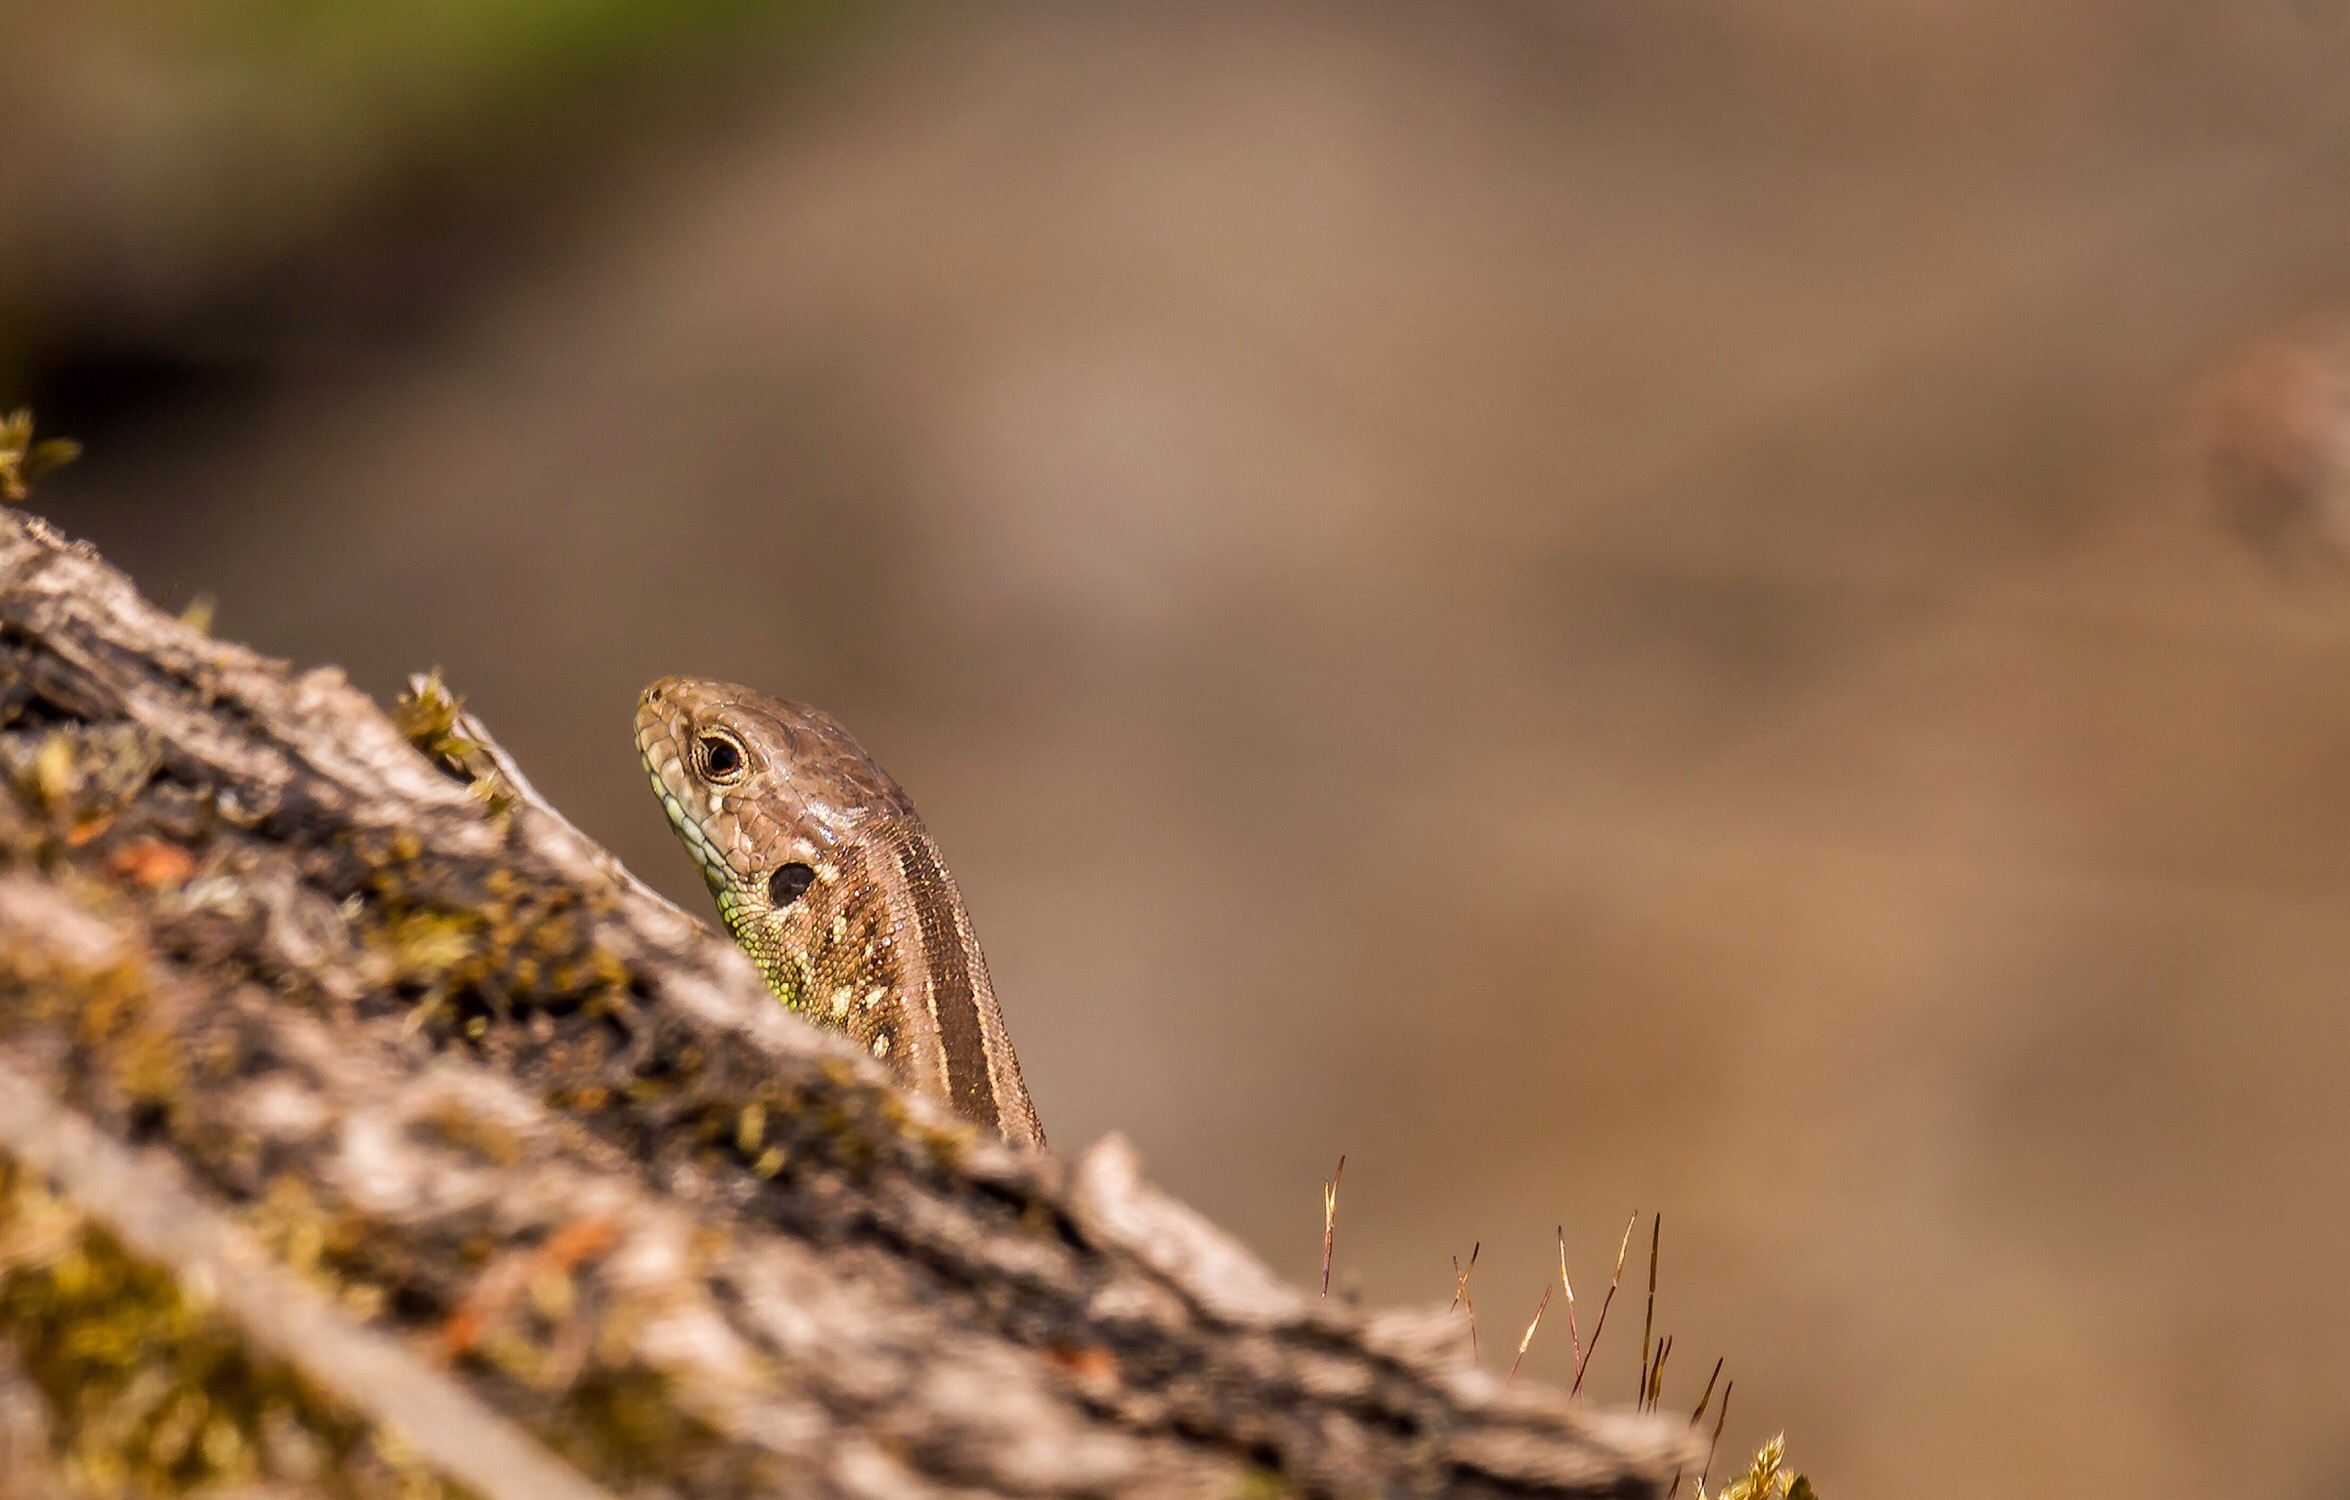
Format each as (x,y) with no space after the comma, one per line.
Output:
(949,970)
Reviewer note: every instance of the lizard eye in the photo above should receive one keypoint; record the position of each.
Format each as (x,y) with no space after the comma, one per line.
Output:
(788,881)
(720,757)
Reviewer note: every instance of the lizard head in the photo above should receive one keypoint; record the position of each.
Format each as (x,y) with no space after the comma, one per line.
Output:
(768,798)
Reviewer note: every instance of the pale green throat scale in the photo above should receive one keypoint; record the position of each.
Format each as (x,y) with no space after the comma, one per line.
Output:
(832,885)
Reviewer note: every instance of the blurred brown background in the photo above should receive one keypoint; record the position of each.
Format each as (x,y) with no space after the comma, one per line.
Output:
(1598,606)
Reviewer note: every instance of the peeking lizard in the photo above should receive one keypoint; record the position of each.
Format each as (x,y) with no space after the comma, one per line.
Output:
(834,888)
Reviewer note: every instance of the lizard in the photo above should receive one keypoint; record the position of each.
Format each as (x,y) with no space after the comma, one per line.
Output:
(825,876)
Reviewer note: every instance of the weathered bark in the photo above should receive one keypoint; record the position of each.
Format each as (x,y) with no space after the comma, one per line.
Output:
(365,1129)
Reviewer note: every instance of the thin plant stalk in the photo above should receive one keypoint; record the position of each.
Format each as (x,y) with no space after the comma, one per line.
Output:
(1707,1399)
(1656,1230)
(1574,1334)
(1719,1418)
(1460,1294)
(1605,1302)
(1330,1221)
(1697,1416)
(1539,1309)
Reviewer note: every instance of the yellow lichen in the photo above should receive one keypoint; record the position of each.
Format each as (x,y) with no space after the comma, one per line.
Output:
(486,1139)
(149,1392)
(427,717)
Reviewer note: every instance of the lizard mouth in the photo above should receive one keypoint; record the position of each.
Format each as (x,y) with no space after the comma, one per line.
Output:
(661,752)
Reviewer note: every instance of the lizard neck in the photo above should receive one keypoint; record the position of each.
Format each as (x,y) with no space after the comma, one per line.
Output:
(881,950)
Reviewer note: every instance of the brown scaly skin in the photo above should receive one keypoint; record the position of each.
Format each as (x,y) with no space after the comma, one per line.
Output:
(832,885)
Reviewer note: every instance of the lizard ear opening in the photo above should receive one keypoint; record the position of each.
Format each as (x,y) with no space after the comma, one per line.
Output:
(788,881)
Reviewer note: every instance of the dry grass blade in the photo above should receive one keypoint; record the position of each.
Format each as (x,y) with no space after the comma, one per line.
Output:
(1539,1309)
(1716,1441)
(1574,1334)
(1656,1376)
(1656,1230)
(1460,1293)
(1698,1416)
(1606,1302)
(1707,1399)
(1330,1220)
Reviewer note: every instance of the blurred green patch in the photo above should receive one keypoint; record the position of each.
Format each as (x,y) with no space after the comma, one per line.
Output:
(154,153)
